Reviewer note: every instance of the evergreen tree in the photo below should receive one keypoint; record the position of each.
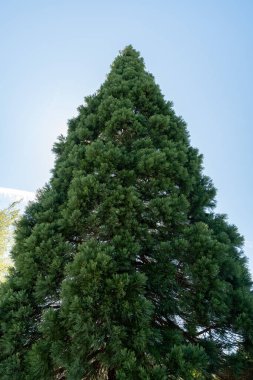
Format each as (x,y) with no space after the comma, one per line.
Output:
(122,269)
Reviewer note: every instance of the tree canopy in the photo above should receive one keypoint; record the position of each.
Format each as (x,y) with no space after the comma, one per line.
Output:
(123,270)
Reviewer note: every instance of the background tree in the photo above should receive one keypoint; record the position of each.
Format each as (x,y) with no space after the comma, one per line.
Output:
(7,218)
(122,268)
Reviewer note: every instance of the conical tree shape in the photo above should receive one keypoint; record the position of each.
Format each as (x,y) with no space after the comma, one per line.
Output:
(122,269)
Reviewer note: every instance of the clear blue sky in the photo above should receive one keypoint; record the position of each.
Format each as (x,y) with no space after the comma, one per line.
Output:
(53,53)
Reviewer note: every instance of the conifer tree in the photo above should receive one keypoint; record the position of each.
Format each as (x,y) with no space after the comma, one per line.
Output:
(123,271)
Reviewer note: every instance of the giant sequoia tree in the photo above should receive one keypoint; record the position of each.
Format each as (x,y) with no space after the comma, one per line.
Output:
(122,269)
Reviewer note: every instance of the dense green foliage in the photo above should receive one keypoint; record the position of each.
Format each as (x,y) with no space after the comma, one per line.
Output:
(122,269)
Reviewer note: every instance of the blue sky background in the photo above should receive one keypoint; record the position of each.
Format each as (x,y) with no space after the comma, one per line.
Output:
(53,53)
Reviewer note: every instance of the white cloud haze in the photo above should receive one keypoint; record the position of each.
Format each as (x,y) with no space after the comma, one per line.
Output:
(16,195)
